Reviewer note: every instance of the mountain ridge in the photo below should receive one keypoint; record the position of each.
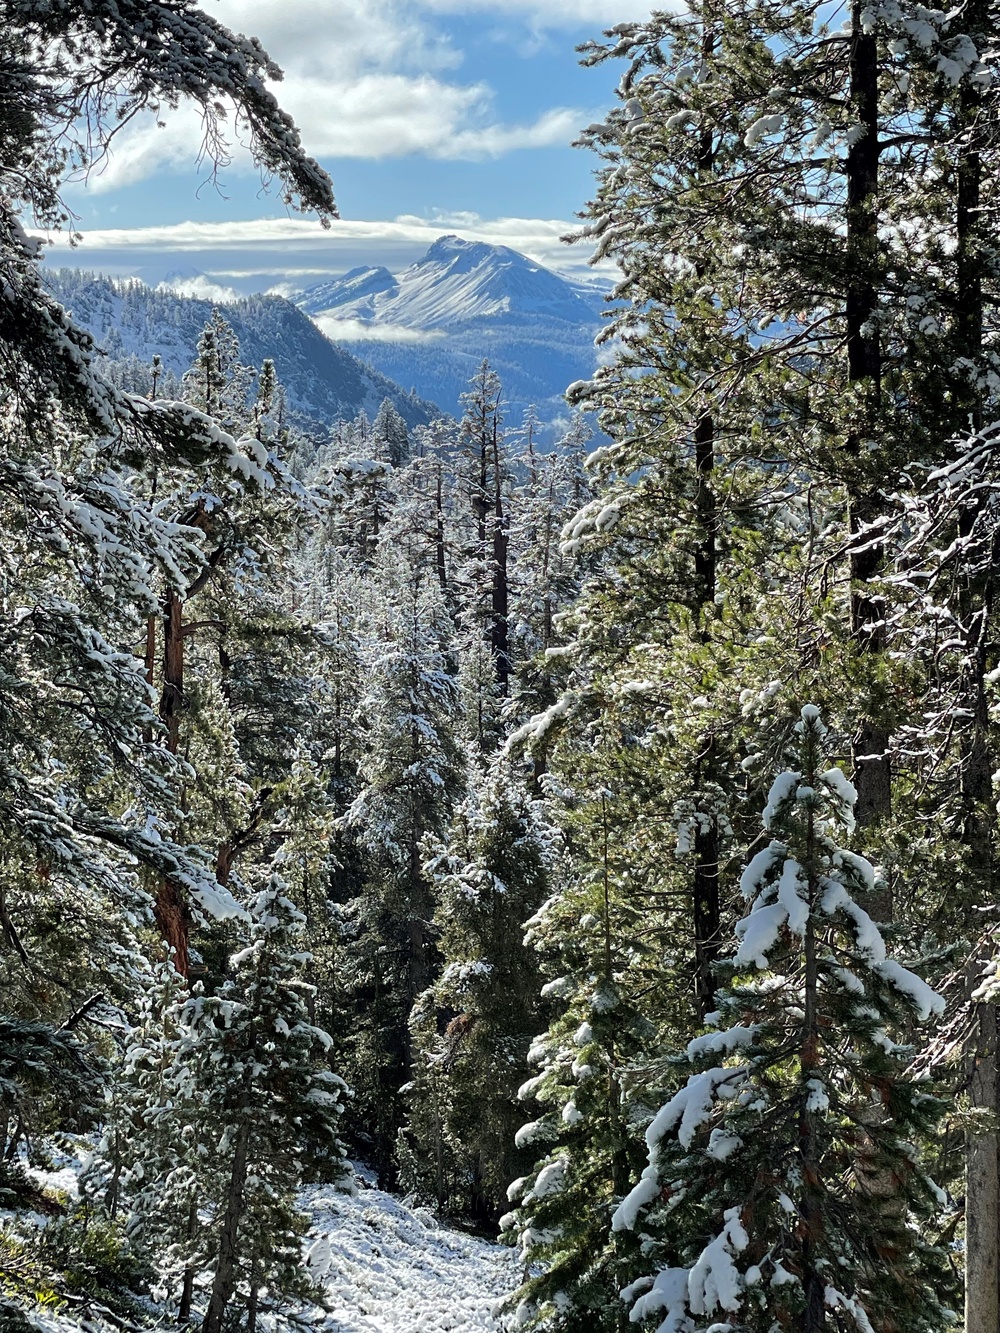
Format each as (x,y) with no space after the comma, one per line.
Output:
(323,381)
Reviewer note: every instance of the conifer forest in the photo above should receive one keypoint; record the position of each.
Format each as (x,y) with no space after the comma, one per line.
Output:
(586,846)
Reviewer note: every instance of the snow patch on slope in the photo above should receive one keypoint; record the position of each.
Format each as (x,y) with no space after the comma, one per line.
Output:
(391,1268)
(385,1266)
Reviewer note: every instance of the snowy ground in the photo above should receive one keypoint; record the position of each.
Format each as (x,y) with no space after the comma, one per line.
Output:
(386,1267)
(389,1268)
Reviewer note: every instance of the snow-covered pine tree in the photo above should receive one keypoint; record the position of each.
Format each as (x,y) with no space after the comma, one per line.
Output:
(229,638)
(233,1106)
(545,577)
(944,536)
(765,1202)
(88,789)
(50,1081)
(218,382)
(485,573)
(825,340)
(143,1165)
(390,440)
(410,769)
(473,1026)
(270,409)
(600,940)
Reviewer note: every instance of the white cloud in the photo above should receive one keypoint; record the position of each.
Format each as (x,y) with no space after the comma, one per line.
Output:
(376,116)
(364,79)
(332,39)
(384,115)
(559,126)
(356,330)
(146,147)
(550,13)
(200,286)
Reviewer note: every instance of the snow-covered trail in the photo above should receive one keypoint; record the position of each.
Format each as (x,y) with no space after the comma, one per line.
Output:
(386,1267)
(390,1268)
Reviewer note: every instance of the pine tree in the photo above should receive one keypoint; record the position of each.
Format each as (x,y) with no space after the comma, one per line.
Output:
(50,1081)
(144,1160)
(818,337)
(245,648)
(486,572)
(92,464)
(472,1028)
(599,938)
(785,1182)
(231,1107)
(545,575)
(389,437)
(410,772)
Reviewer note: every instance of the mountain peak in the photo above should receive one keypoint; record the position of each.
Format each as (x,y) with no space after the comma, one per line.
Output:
(471,300)
(470,253)
(449,244)
(359,290)
(457,285)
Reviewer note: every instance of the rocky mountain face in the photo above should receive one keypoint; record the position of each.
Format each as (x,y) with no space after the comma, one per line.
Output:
(324,382)
(435,321)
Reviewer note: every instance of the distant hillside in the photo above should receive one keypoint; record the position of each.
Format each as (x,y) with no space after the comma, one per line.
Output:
(434,322)
(324,382)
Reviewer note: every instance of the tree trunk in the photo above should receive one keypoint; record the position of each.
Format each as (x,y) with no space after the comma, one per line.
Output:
(982,1186)
(150,667)
(111,1194)
(439,547)
(419,970)
(499,600)
(170,909)
(174,920)
(871,742)
(706,508)
(968,218)
(172,698)
(224,1282)
(252,1298)
(707,915)
(707,909)
(187,1282)
(811,1206)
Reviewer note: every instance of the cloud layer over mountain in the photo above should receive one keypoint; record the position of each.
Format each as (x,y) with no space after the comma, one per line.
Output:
(251,255)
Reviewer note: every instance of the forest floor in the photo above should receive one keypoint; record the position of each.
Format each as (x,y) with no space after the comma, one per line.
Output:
(385,1265)
(388,1267)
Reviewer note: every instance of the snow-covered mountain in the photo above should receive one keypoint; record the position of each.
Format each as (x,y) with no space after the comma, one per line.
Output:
(432,324)
(323,381)
(454,283)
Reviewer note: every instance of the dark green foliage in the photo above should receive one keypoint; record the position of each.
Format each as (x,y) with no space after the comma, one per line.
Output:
(93,1257)
(473,1027)
(786,1177)
(49,1081)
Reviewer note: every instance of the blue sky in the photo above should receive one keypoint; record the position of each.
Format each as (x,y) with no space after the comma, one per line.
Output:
(431,116)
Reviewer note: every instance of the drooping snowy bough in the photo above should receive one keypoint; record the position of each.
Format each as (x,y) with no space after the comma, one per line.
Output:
(88,792)
(785,1174)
